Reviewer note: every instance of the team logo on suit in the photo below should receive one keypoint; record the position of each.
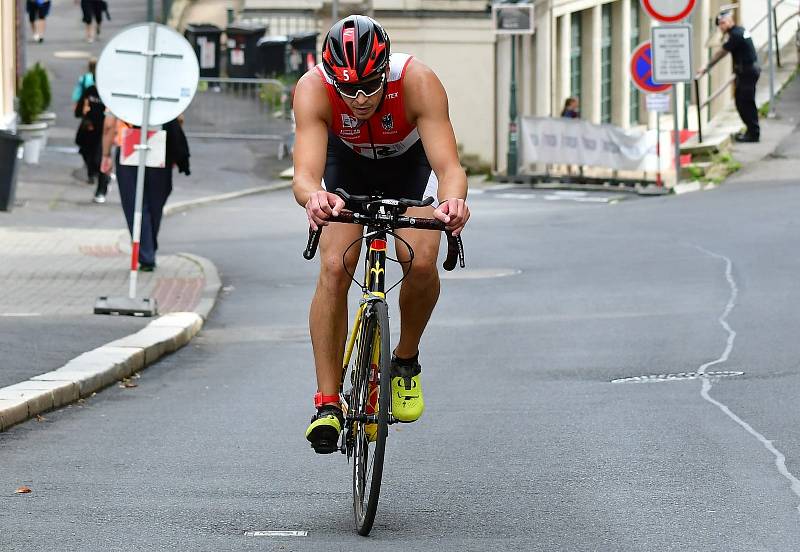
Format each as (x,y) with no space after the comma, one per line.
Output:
(348,121)
(387,122)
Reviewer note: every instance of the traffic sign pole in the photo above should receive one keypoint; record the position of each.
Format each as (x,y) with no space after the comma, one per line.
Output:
(677,134)
(143,147)
(142,93)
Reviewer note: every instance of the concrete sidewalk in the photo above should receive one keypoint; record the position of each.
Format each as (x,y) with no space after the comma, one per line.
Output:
(59,251)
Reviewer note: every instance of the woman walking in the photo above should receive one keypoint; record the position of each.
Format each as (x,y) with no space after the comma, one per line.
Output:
(92,13)
(38,10)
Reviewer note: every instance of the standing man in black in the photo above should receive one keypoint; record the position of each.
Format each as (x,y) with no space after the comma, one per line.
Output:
(745,66)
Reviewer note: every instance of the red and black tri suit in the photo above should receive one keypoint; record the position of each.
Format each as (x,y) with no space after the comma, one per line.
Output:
(382,155)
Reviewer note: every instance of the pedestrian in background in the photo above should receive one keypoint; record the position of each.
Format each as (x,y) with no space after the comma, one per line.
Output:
(571,111)
(38,10)
(745,67)
(84,81)
(571,106)
(157,182)
(92,12)
(91,111)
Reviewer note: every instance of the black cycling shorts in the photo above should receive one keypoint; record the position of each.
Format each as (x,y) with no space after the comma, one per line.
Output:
(406,176)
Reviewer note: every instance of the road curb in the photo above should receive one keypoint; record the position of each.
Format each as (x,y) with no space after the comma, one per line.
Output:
(104,366)
(115,361)
(192,203)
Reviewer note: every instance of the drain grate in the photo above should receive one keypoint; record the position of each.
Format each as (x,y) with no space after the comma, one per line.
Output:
(680,376)
(280,533)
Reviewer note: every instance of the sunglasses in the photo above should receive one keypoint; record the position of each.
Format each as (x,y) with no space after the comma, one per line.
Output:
(369,88)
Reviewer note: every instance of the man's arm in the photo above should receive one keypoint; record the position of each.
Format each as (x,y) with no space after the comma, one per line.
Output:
(310,151)
(718,55)
(109,127)
(426,101)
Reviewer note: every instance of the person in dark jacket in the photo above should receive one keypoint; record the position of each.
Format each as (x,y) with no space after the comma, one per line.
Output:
(571,108)
(745,66)
(157,183)
(89,138)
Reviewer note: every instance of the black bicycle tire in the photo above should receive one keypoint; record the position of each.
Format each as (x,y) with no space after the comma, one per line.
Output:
(379,319)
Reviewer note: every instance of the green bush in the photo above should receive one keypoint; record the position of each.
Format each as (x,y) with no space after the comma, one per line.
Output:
(30,97)
(44,84)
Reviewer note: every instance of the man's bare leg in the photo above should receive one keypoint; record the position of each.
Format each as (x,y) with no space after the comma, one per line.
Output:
(328,316)
(420,290)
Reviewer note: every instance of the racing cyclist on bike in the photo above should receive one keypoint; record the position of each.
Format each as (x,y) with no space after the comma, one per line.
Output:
(372,122)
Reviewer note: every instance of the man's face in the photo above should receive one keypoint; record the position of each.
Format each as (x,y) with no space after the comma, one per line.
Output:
(363,106)
(725,23)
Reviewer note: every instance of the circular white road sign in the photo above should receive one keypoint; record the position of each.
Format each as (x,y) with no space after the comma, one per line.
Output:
(122,76)
(669,11)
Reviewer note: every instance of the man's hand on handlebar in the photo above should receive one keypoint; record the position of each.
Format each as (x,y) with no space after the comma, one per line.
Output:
(321,206)
(454,213)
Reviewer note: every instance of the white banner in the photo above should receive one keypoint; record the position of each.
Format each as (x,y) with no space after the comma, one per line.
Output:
(577,142)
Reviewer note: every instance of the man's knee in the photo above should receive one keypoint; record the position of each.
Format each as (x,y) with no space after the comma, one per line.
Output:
(423,272)
(332,273)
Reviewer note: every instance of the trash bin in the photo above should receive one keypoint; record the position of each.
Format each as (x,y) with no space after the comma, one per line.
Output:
(9,153)
(242,58)
(272,54)
(205,39)
(304,48)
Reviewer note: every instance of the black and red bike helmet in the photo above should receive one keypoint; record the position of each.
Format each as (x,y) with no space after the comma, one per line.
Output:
(356,48)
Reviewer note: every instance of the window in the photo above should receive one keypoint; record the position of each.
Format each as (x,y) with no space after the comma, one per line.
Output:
(635,38)
(605,64)
(575,56)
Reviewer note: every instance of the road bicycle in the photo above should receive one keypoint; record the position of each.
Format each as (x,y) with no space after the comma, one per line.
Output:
(366,404)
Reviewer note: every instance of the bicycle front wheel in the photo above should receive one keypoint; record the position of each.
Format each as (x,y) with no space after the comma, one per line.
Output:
(372,392)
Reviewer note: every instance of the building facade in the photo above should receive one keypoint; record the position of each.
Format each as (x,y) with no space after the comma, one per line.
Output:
(8,63)
(582,48)
(579,48)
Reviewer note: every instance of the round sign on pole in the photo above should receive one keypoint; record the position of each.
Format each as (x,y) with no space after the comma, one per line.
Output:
(669,11)
(642,69)
(121,74)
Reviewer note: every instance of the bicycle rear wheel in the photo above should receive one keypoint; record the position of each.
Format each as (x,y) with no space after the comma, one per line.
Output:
(370,439)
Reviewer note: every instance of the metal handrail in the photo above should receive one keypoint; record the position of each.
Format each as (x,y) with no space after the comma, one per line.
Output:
(731,79)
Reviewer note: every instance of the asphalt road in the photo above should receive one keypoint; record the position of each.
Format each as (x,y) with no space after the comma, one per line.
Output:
(526,443)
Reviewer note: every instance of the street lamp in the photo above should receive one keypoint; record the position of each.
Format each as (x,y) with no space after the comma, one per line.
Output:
(513,132)
(513,21)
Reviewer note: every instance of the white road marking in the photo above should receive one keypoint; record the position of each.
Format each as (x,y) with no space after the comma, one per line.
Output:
(276,533)
(19,314)
(780,459)
(508,195)
(580,199)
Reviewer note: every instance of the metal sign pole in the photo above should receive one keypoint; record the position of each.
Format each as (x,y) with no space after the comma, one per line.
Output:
(658,149)
(143,148)
(677,134)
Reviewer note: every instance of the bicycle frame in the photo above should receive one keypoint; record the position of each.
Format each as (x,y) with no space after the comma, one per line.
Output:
(372,289)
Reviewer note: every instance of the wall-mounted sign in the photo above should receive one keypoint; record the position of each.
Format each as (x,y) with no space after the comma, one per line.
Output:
(512,18)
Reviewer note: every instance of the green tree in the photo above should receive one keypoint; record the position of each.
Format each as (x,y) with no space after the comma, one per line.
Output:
(44,84)
(30,97)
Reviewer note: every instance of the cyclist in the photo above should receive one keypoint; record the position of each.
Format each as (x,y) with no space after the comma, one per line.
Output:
(372,122)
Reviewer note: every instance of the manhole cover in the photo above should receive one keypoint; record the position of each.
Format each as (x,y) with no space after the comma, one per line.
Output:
(478,273)
(680,376)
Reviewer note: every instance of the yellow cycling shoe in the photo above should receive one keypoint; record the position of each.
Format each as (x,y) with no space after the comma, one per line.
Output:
(324,430)
(407,401)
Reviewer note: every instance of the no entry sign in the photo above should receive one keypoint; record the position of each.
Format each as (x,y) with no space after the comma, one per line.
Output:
(669,11)
(642,69)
